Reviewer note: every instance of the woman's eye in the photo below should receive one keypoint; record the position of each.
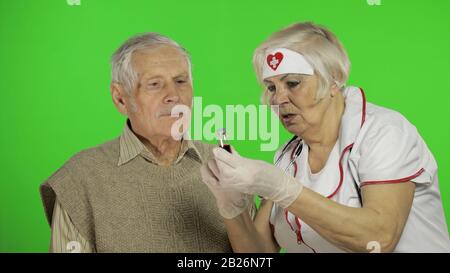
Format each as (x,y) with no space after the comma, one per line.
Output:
(271,88)
(292,84)
(153,84)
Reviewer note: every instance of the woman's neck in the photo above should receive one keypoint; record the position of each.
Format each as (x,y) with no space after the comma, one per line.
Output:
(324,135)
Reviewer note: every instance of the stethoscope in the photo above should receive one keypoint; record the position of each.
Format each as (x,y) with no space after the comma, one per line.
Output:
(293,161)
(295,153)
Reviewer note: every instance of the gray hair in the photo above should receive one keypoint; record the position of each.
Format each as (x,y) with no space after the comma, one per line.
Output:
(121,61)
(318,45)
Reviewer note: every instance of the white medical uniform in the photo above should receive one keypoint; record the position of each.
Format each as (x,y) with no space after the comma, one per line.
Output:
(375,146)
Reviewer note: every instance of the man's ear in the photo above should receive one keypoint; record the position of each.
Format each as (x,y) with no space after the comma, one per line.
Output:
(118,97)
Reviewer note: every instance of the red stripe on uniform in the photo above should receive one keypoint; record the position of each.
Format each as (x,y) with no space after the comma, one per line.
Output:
(394,181)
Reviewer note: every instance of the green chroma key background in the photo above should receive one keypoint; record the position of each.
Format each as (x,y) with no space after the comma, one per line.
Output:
(55,76)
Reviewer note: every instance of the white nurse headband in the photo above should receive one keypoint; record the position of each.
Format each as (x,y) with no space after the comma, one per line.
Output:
(285,61)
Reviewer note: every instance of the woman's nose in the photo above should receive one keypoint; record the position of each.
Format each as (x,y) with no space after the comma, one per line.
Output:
(280,97)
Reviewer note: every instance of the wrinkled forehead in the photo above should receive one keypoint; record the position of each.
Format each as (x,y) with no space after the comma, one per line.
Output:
(160,60)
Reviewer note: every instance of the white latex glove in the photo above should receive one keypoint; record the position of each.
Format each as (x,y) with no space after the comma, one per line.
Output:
(230,202)
(256,177)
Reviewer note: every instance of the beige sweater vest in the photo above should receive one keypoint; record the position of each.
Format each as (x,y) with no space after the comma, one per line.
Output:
(138,206)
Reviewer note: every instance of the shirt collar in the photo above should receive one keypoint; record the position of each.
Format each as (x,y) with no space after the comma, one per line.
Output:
(131,147)
(353,117)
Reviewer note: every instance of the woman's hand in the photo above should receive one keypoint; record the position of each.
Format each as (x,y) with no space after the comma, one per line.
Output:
(254,177)
(230,202)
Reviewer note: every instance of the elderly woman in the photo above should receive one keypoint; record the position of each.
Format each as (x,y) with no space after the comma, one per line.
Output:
(355,177)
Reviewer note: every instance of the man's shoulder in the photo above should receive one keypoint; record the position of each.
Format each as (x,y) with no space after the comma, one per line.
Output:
(107,152)
(90,159)
(67,179)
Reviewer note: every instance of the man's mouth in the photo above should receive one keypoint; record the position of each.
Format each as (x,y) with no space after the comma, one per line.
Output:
(174,115)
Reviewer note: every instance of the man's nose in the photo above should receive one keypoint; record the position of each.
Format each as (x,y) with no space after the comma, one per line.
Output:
(172,95)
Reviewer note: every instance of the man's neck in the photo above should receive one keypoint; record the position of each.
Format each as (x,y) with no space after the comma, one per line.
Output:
(164,149)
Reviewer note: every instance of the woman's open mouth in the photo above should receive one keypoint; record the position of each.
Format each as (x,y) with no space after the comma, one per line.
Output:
(287,118)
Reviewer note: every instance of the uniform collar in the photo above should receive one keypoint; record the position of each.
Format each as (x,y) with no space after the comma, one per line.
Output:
(353,117)
(131,147)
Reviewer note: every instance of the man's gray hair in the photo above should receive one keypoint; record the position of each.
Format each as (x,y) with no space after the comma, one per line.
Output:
(121,61)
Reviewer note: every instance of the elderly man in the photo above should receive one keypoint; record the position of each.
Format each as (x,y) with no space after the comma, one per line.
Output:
(140,192)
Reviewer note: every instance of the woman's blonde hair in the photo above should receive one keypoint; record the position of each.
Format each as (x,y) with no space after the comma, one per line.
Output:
(320,47)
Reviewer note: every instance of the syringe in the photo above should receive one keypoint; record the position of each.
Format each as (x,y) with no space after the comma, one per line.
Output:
(222,138)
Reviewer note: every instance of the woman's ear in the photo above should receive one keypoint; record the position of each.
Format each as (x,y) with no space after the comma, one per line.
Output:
(334,90)
(118,98)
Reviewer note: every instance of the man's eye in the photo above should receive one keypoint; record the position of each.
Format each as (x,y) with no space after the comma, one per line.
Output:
(271,88)
(292,84)
(181,81)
